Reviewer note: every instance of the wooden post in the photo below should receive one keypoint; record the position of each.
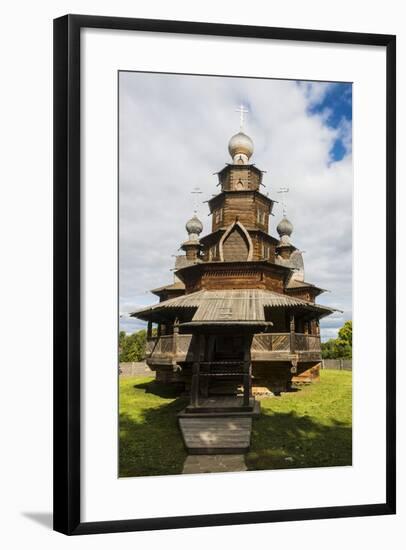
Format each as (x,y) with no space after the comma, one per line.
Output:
(149,330)
(292,333)
(159,330)
(194,390)
(175,337)
(205,382)
(247,371)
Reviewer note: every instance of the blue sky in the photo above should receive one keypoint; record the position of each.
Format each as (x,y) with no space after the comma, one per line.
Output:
(174,131)
(337,105)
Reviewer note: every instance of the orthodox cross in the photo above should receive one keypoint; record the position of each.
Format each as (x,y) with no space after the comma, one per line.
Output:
(241,110)
(196,191)
(283,191)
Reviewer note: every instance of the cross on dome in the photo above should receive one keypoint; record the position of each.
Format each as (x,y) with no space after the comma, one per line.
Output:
(240,145)
(241,110)
(196,191)
(283,191)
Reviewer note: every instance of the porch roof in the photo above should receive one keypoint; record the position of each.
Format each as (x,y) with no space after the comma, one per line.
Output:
(230,305)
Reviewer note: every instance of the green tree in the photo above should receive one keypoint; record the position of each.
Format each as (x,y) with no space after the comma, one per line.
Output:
(341,347)
(132,346)
(345,333)
(327,349)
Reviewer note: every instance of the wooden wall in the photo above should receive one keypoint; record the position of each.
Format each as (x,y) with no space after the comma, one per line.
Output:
(239,177)
(252,209)
(303,293)
(234,277)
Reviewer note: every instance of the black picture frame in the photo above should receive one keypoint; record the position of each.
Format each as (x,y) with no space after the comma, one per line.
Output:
(67,287)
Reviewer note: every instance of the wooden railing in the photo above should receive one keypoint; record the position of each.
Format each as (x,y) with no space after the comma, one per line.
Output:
(149,347)
(183,344)
(178,347)
(271,342)
(307,342)
(175,347)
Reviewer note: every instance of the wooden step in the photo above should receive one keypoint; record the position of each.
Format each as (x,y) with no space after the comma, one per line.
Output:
(218,435)
(225,406)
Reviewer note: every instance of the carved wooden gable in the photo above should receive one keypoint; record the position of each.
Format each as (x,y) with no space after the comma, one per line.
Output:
(236,245)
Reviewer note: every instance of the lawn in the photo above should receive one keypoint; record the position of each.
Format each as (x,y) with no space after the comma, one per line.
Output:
(310,427)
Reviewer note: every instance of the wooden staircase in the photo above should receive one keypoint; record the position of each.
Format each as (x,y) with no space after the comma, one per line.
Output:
(218,425)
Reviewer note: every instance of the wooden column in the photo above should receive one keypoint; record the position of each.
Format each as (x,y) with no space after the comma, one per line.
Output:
(205,381)
(175,337)
(292,332)
(149,330)
(194,390)
(247,370)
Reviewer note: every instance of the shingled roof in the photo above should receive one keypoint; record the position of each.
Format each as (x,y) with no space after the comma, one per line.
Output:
(293,284)
(233,305)
(178,285)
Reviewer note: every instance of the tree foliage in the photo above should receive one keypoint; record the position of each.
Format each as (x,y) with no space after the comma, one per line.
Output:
(341,347)
(132,346)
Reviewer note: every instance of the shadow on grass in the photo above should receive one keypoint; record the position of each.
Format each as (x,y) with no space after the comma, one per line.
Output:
(152,444)
(157,388)
(288,440)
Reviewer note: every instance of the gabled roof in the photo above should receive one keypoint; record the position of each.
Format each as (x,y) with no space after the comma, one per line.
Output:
(207,238)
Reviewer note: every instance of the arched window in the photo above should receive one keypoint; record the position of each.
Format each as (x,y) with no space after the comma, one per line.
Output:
(265,251)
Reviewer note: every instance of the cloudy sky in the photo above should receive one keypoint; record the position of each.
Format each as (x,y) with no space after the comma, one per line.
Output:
(173,137)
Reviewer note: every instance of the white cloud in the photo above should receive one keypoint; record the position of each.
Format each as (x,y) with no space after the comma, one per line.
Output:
(174,132)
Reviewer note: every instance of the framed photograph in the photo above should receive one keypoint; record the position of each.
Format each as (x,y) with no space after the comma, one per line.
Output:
(224,206)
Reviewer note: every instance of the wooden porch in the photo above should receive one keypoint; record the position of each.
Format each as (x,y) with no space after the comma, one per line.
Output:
(284,346)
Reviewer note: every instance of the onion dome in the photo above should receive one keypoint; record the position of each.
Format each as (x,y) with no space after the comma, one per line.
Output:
(240,148)
(194,227)
(284,228)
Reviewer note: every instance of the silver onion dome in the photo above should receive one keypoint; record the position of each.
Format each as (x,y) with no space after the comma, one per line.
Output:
(194,227)
(284,228)
(241,145)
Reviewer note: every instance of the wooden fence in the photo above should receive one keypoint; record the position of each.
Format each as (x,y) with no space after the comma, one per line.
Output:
(337,364)
(135,369)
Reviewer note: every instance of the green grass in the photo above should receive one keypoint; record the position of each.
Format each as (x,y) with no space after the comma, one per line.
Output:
(310,427)
(150,441)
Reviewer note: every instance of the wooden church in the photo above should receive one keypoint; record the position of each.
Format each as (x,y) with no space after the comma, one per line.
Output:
(239,320)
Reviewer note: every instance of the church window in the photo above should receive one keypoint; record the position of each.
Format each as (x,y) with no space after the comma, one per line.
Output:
(261,217)
(218,215)
(214,252)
